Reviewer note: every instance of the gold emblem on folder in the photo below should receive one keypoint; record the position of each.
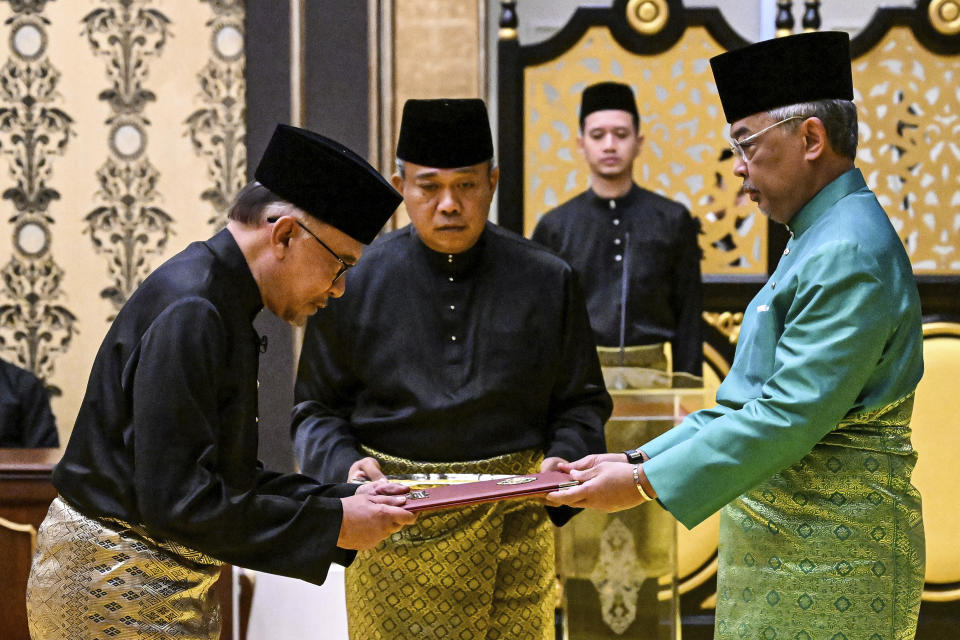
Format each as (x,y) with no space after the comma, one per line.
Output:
(517,480)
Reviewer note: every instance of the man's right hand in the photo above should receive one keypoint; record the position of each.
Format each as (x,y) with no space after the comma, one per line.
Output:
(369,518)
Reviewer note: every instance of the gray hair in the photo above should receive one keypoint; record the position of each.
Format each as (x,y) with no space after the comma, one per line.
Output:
(255,202)
(839,118)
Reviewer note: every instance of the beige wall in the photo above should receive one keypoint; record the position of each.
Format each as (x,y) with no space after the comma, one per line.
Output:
(126,118)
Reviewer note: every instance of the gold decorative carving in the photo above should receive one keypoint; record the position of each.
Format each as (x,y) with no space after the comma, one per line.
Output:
(618,576)
(726,322)
(945,16)
(647,16)
(908,102)
(21,528)
(685,155)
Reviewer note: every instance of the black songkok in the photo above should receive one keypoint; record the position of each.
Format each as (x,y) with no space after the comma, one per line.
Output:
(783,71)
(328,181)
(445,133)
(608,95)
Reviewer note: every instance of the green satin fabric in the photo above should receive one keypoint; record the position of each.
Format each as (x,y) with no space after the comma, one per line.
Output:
(835,330)
(831,548)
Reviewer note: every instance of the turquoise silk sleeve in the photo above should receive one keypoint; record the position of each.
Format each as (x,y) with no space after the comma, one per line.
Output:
(686,429)
(810,340)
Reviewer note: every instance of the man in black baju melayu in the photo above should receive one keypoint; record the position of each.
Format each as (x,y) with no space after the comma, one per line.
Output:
(635,252)
(160,481)
(468,350)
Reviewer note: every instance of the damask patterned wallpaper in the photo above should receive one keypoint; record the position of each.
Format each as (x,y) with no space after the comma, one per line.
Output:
(121,141)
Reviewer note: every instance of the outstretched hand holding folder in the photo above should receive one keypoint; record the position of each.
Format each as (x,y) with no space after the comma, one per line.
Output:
(454,495)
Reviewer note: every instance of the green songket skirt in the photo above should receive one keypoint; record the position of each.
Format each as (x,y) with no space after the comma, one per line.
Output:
(831,548)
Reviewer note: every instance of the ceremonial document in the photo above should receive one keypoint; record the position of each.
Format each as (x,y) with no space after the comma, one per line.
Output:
(453,495)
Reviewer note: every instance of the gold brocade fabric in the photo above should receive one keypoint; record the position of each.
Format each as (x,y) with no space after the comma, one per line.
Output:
(635,367)
(481,572)
(94,580)
(831,548)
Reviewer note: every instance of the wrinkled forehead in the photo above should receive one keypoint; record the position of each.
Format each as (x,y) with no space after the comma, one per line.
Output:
(424,172)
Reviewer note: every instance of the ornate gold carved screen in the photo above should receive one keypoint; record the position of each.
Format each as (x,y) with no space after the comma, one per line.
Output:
(682,154)
(908,99)
(906,72)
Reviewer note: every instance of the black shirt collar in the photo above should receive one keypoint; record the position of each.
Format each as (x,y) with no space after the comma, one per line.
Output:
(452,263)
(228,253)
(626,200)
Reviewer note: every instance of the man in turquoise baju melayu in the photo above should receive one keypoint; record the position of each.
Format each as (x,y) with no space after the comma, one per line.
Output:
(807,451)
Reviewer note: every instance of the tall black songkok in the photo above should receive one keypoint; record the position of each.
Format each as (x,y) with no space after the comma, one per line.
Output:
(328,181)
(783,71)
(445,133)
(608,95)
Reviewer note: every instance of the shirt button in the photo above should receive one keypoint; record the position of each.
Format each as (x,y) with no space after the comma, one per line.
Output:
(616,221)
(616,241)
(618,257)
(453,307)
(256,419)
(613,204)
(453,338)
(450,278)
(450,257)
(786,251)
(773,285)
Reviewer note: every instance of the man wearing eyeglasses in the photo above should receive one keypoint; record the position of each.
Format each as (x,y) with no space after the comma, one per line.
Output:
(635,251)
(467,350)
(160,481)
(808,450)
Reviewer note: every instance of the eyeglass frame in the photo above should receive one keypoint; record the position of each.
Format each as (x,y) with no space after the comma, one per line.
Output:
(344,266)
(736,146)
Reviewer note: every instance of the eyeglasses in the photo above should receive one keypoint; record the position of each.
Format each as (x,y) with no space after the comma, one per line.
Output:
(343,265)
(739,147)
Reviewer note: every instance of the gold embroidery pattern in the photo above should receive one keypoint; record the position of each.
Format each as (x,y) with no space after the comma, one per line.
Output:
(475,573)
(832,546)
(91,579)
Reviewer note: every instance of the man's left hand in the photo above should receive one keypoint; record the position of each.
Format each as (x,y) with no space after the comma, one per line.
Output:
(383,488)
(551,464)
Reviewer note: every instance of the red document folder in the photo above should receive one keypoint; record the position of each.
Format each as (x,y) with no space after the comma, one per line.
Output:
(455,495)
